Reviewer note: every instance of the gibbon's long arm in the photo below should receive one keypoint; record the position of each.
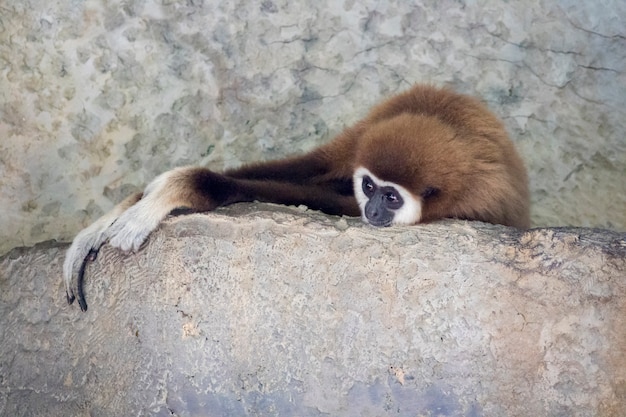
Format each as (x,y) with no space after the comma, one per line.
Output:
(200,189)
(206,190)
(423,155)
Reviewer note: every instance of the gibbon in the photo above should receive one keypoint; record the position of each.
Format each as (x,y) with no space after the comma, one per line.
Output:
(422,155)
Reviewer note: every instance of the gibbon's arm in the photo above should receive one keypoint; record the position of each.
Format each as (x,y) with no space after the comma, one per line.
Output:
(199,189)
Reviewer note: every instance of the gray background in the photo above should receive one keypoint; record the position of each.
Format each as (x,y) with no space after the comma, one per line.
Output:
(97,98)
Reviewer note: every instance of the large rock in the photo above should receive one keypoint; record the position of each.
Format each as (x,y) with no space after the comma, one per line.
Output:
(279,312)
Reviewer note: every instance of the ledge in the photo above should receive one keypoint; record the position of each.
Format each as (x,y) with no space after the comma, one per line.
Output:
(260,310)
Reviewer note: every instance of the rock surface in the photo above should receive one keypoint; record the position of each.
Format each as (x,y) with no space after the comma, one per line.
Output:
(99,97)
(281,312)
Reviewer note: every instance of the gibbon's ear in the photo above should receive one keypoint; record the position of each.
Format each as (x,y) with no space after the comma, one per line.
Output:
(385,203)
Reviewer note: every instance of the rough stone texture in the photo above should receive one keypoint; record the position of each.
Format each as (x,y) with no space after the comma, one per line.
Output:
(98,97)
(296,314)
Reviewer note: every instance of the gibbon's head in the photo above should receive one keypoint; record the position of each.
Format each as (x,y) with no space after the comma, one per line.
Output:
(384,203)
(400,168)
(414,168)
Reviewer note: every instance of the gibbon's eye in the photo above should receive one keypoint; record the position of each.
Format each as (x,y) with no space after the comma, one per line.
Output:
(368,186)
(394,201)
(430,192)
(391,197)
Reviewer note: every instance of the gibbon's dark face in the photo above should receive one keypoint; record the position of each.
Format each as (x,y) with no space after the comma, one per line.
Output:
(384,203)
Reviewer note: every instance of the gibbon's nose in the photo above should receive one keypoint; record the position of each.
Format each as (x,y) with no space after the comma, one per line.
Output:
(376,213)
(373,211)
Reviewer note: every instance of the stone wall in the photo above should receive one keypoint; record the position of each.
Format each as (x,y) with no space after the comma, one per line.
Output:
(98,97)
(282,312)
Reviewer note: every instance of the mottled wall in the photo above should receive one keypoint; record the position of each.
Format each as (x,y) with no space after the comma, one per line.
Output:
(96,98)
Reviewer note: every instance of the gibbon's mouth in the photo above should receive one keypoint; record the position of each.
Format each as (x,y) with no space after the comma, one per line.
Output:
(385,223)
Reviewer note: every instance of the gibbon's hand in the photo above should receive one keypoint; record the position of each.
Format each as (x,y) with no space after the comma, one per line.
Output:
(129,223)
(85,248)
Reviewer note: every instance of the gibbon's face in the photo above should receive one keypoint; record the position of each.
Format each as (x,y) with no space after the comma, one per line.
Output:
(384,203)
(409,169)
